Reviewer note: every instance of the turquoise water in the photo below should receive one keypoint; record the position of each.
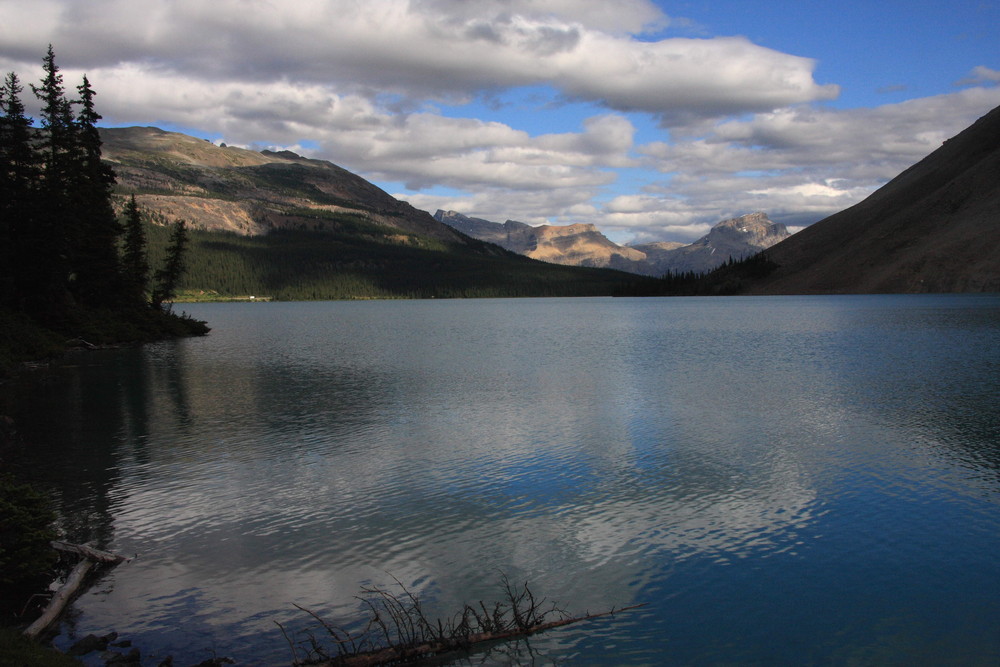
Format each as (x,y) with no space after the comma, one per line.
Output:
(782,480)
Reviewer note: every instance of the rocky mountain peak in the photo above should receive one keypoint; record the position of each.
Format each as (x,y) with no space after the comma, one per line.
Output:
(754,229)
(583,244)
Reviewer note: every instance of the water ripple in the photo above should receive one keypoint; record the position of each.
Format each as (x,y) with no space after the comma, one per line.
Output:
(739,464)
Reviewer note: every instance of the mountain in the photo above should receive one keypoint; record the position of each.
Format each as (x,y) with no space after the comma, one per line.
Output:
(933,228)
(223,188)
(734,238)
(584,245)
(573,245)
(280,225)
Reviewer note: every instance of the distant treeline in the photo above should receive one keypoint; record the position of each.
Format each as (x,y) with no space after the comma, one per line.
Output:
(304,264)
(67,263)
(732,277)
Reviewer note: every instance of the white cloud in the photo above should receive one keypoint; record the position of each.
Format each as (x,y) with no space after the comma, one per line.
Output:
(360,83)
(535,207)
(688,77)
(979,75)
(802,164)
(442,50)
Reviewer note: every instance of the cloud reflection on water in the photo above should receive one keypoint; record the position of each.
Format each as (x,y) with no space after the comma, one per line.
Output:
(590,446)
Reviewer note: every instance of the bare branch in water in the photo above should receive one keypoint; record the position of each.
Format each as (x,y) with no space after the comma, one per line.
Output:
(399,632)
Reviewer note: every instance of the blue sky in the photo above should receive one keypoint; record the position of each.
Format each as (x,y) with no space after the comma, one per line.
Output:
(877,52)
(651,120)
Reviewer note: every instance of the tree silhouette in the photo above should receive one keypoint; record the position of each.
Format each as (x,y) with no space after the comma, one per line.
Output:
(97,276)
(168,277)
(61,264)
(46,242)
(18,185)
(135,261)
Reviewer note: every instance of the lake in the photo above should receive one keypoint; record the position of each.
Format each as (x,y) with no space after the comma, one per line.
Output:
(782,480)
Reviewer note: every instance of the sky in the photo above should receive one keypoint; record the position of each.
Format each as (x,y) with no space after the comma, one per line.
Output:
(652,120)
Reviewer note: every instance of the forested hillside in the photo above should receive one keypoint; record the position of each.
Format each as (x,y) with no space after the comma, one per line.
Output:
(362,264)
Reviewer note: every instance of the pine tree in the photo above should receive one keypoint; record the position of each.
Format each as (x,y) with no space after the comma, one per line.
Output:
(56,141)
(173,267)
(18,179)
(47,242)
(135,260)
(18,167)
(94,240)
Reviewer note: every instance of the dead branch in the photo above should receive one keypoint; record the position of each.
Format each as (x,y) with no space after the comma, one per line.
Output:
(399,632)
(394,654)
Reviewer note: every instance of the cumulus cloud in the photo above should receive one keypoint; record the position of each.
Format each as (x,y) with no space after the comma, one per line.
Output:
(534,207)
(362,83)
(426,49)
(799,165)
(804,163)
(688,77)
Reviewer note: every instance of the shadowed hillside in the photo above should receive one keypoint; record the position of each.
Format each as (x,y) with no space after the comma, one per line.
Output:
(934,228)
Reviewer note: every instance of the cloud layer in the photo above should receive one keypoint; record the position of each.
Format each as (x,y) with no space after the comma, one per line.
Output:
(379,86)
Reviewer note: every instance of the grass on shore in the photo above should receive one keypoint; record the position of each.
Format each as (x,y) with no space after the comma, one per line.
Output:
(212,296)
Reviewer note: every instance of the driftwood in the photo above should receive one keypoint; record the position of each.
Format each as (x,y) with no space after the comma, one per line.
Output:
(59,601)
(399,632)
(89,553)
(61,598)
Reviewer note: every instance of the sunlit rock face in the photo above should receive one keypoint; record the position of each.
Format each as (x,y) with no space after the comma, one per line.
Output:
(576,245)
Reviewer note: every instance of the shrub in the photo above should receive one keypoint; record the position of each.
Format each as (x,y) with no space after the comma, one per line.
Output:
(26,559)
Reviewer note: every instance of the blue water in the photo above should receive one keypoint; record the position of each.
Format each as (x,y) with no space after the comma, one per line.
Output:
(781,480)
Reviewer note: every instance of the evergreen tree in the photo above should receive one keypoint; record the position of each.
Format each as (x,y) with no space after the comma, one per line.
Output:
(135,260)
(173,267)
(18,178)
(94,239)
(47,242)
(56,139)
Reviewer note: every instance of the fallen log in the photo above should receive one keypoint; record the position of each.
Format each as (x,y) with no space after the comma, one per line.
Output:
(59,601)
(61,598)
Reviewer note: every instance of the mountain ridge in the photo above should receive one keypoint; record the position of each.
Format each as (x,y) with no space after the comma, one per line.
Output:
(582,244)
(224,188)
